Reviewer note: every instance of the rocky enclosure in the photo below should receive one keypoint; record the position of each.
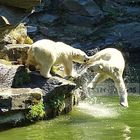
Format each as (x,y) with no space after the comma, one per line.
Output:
(90,25)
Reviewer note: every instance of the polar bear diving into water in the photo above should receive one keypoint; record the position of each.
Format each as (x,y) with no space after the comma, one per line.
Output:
(109,63)
(46,53)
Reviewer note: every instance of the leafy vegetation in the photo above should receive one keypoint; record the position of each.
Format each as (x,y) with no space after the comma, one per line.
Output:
(36,112)
(57,103)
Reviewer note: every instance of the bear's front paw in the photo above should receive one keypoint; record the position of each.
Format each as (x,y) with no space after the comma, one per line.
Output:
(124,104)
(123,101)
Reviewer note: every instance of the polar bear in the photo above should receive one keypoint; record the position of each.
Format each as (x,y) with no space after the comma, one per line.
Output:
(109,63)
(45,53)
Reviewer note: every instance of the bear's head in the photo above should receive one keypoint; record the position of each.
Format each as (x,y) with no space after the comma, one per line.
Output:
(80,57)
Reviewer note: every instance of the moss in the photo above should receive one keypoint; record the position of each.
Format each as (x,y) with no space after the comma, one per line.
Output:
(18,35)
(37,112)
(28,40)
(54,69)
(57,103)
(57,70)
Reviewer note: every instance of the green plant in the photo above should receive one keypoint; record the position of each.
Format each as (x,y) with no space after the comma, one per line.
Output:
(36,112)
(57,103)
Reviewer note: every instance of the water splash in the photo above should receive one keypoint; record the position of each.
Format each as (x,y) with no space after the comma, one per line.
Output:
(98,110)
(93,108)
(131,75)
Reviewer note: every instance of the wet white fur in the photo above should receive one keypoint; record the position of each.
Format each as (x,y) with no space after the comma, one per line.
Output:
(109,63)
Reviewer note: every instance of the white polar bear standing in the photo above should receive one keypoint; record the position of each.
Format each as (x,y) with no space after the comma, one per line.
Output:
(109,63)
(45,53)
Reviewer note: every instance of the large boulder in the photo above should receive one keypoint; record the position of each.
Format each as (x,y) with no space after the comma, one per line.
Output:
(12,99)
(87,21)
(12,13)
(124,35)
(13,76)
(82,13)
(9,18)
(47,19)
(14,43)
(51,87)
(16,53)
(84,8)
(18,76)
(16,103)
(24,4)
(124,32)
(56,93)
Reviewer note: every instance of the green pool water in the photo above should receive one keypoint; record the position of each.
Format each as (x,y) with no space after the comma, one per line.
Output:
(103,119)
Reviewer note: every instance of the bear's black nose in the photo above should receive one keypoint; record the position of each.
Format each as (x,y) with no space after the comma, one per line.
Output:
(85,60)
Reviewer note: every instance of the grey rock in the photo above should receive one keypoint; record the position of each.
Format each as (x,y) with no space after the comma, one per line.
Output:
(55,32)
(133,13)
(51,87)
(12,15)
(84,20)
(47,19)
(24,4)
(82,7)
(13,76)
(44,30)
(31,29)
(11,119)
(9,17)
(15,52)
(19,98)
(127,33)
(73,30)
(121,35)
(16,35)
(15,104)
